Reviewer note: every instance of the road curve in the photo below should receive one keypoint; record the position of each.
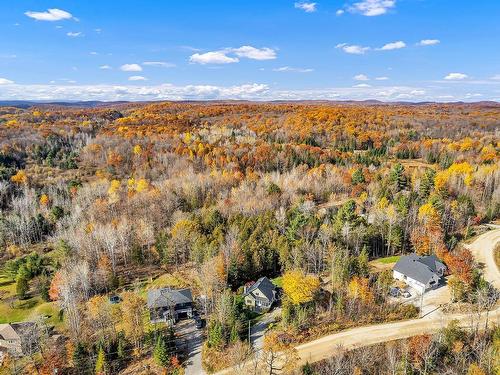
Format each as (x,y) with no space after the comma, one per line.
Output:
(482,248)
(325,347)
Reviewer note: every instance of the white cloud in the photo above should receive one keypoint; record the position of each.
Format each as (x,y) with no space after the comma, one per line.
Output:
(74,34)
(250,91)
(381,78)
(496,77)
(131,68)
(339,12)
(5,81)
(394,45)
(293,70)
(307,7)
(224,56)
(362,85)
(137,78)
(352,48)
(472,95)
(417,92)
(159,64)
(372,7)
(255,53)
(215,57)
(361,77)
(50,15)
(428,42)
(105,67)
(456,76)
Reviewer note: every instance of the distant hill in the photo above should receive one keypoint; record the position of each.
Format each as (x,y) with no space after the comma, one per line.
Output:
(77,104)
(95,103)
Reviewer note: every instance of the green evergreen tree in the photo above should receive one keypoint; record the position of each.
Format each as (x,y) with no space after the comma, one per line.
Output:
(22,283)
(398,178)
(120,350)
(234,337)
(426,183)
(160,352)
(101,365)
(363,267)
(80,362)
(358,177)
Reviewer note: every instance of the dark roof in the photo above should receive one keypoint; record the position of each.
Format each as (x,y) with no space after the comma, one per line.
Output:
(265,286)
(418,268)
(432,262)
(167,297)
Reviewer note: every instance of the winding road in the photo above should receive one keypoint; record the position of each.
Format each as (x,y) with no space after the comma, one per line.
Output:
(483,250)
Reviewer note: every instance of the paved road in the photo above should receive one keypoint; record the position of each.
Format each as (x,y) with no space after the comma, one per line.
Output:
(327,346)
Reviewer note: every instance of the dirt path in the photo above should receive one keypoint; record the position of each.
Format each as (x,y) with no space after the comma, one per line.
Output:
(327,346)
(483,250)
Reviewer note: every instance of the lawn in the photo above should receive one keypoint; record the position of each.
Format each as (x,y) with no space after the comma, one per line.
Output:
(22,310)
(278,281)
(389,260)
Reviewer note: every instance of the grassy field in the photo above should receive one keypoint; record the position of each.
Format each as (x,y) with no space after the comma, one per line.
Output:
(14,310)
(278,281)
(389,260)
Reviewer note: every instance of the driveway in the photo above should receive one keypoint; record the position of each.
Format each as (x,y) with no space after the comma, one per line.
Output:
(431,302)
(191,339)
(258,330)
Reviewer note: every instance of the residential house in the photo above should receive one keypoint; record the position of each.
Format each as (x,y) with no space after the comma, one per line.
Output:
(13,337)
(169,305)
(420,272)
(260,296)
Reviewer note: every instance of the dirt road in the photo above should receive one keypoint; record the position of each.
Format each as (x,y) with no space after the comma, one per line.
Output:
(483,250)
(325,347)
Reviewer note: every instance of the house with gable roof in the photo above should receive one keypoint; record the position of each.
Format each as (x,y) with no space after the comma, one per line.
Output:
(169,305)
(420,272)
(260,296)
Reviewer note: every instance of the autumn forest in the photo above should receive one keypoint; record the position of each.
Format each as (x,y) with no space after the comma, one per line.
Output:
(120,198)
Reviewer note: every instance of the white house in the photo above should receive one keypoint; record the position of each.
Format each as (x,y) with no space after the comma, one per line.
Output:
(260,296)
(421,273)
(13,337)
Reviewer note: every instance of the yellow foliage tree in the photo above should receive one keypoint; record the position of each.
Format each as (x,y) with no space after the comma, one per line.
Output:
(142,185)
(359,288)
(20,177)
(132,308)
(299,287)
(44,200)
(474,369)
(137,149)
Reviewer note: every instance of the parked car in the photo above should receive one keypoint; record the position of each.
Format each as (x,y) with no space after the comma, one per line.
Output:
(114,299)
(394,292)
(199,322)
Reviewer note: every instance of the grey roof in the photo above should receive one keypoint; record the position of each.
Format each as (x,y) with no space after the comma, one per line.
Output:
(432,262)
(14,331)
(167,297)
(418,268)
(265,286)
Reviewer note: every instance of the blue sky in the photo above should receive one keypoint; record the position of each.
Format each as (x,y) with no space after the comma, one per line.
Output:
(412,50)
